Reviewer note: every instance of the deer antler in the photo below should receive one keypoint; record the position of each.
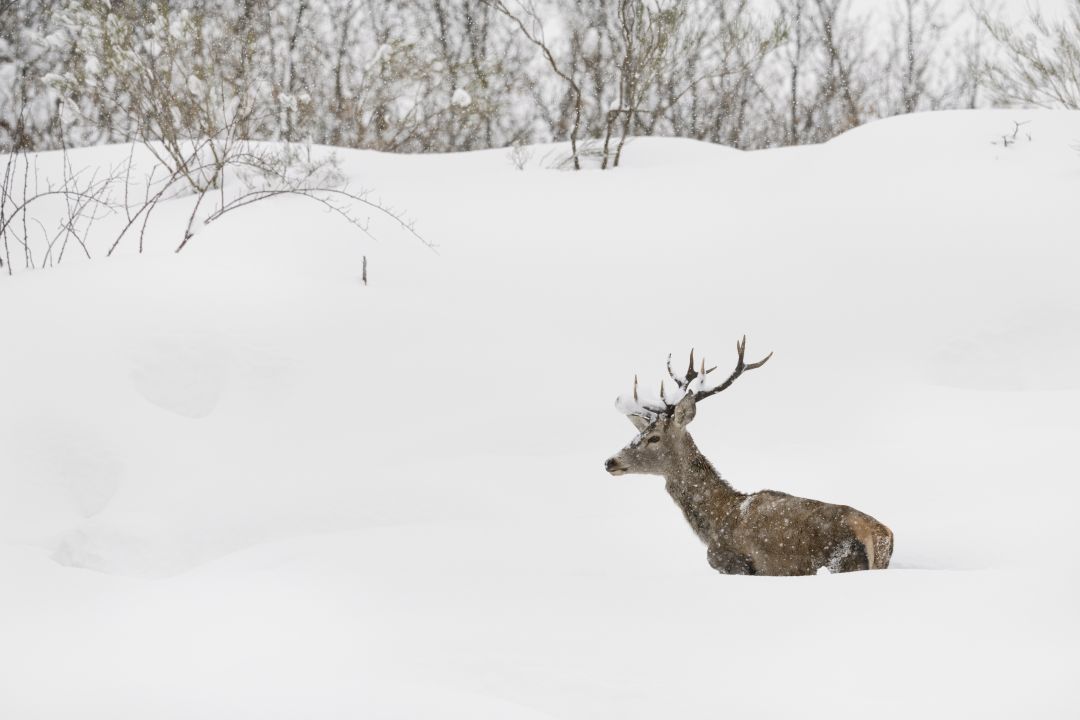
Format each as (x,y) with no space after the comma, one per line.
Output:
(740,368)
(694,381)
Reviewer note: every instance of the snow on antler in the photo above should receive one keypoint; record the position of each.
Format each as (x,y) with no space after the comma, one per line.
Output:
(645,404)
(695,380)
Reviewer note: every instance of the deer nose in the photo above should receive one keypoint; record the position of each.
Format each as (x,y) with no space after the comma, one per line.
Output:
(610,464)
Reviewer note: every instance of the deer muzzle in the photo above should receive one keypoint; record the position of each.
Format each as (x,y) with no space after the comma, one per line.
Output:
(614,467)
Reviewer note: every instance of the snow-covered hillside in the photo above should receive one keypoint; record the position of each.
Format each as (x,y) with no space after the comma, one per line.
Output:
(236,483)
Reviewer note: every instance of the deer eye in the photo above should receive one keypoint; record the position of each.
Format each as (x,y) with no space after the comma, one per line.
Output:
(653,439)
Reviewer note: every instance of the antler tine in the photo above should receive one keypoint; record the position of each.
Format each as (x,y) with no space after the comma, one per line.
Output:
(645,409)
(691,373)
(740,368)
(680,383)
(759,363)
(662,398)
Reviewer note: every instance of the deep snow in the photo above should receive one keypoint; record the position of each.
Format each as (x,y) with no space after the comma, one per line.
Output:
(236,483)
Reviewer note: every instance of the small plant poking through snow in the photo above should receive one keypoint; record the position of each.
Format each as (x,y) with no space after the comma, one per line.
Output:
(1010,139)
(520,155)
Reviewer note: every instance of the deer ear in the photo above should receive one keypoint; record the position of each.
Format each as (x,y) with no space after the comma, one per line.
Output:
(639,422)
(685,410)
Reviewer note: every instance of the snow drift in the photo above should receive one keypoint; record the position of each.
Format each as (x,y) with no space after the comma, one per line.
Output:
(237,483)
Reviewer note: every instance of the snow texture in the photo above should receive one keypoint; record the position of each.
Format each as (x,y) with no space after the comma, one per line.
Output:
(237,483)
(195,86)
(461,98)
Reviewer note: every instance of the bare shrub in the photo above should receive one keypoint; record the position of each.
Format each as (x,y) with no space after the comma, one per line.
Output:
(193,121)
(520,155)
(80,198)
(1038,64)
(449,75)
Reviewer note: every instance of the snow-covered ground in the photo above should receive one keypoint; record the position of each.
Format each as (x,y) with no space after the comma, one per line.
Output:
(235,483)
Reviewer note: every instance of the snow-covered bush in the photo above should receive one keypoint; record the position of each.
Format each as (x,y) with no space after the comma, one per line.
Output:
(447,75)
(164,78)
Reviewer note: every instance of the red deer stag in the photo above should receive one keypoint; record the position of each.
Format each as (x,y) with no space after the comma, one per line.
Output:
(762,533)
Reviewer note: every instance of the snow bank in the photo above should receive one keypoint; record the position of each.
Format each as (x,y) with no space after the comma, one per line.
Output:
(238,483)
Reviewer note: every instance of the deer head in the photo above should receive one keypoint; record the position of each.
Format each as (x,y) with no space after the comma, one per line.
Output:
(662,438)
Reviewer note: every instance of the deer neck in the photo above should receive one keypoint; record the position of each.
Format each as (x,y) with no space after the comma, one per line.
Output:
(698,490)
(691,469)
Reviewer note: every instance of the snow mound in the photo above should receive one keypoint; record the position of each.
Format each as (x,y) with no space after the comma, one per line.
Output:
(239,469)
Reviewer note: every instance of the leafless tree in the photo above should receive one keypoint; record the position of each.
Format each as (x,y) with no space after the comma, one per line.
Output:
(441,75)
(917,55)
(527,20)
(843,88)
(794,53)
(646,32)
